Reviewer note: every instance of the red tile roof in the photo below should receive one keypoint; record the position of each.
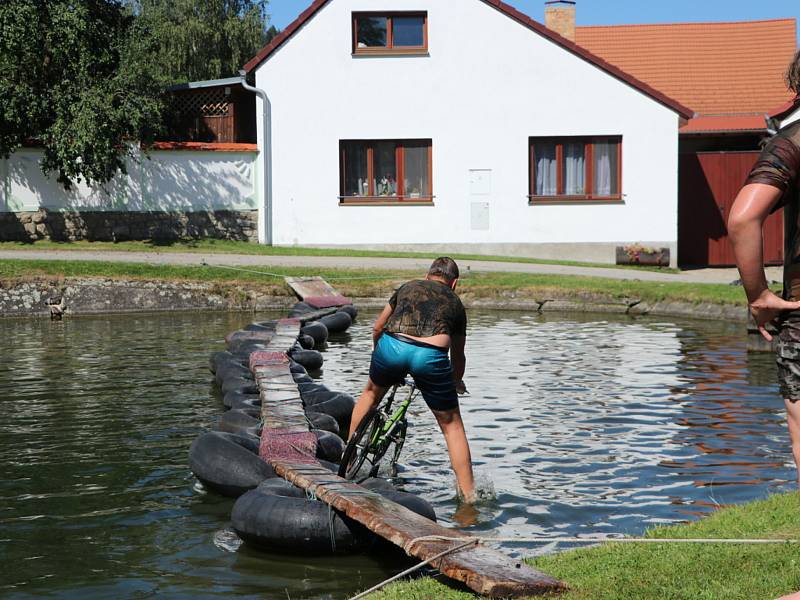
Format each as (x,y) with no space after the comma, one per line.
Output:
(613,70)
(714,68)
(725,124)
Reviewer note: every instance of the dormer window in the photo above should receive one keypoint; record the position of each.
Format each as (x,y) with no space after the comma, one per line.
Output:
(390,33)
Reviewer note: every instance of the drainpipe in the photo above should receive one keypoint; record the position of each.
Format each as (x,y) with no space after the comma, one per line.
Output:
(265,211)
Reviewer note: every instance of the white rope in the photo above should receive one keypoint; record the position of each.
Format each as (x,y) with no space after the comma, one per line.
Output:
(546,540)
(596,540)
(375,588)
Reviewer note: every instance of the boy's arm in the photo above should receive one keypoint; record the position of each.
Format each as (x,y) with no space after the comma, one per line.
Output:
(380,323)
(458,360)
(745,223)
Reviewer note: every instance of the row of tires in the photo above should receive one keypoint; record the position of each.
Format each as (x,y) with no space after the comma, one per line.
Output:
(269,511)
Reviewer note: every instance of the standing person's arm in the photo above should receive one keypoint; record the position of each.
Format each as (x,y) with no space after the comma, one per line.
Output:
(459,361)
(774,173)
(380,323)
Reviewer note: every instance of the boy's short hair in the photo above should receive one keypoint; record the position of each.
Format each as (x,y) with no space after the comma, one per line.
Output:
(444,267)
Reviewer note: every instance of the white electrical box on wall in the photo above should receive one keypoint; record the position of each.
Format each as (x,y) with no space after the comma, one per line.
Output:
(480,182)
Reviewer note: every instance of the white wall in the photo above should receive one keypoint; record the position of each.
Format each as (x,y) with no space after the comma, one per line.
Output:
(487,85)
(166,181)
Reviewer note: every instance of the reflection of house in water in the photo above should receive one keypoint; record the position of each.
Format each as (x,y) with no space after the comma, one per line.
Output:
(731,413)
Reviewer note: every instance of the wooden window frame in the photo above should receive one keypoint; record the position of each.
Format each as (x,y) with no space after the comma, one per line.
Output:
(390,48)
(589,143)
(400,197)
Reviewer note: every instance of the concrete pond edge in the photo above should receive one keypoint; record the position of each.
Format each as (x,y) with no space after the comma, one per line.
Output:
(57,297)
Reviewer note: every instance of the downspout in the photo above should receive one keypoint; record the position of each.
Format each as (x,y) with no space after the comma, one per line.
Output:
(265,213)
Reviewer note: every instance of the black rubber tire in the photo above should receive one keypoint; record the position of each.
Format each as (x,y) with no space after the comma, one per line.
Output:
(239,384)
(232,399)
(313,398)
(288,523)
(300,309)
(310,359)
(245,403)
(227,463)
(259,327)
(296,368)
(340,407)
(240,421)
(302,378)
(277,516)
(351,310)
(329,446)
(231,369)
(354,457)
(323,422)
(410,501)
(377,484)
(316,330)
(338,322)
(216,357)
(306,341)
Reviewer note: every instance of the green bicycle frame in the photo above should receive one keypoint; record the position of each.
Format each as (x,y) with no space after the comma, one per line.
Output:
(381,436)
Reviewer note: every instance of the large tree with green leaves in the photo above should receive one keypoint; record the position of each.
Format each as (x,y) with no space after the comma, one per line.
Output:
(203,39)
(70,84)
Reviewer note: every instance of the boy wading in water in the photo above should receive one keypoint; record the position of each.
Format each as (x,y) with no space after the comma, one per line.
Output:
(423,320)
(774,182)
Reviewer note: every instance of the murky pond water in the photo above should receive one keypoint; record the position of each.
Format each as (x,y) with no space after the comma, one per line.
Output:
(583,424)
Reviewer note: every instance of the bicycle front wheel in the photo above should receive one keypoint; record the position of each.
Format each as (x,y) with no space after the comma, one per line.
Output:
(361,447)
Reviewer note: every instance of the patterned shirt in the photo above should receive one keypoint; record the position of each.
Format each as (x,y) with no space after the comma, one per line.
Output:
(779,166)
(426,308)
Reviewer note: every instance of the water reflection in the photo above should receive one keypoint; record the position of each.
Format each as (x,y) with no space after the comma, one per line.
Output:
(583,425)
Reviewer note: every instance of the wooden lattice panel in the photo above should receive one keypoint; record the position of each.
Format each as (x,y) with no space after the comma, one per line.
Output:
(210,102)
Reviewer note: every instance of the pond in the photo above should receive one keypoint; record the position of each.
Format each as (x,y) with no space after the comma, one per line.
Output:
(581,424)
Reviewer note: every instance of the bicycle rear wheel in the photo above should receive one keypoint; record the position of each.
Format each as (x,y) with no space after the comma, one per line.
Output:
(360,447)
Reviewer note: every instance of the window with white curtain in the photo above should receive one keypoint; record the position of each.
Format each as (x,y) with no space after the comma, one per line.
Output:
(575,168)
(385,171)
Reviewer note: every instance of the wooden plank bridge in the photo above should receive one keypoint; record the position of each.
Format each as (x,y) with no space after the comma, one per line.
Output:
(289,446)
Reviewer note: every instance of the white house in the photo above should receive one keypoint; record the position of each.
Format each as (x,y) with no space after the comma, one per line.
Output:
(458,126)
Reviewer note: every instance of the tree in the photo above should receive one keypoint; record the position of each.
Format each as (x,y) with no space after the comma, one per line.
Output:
(203,39)
(72,80)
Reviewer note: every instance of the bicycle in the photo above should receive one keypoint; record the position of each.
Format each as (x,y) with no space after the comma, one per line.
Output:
(378,431)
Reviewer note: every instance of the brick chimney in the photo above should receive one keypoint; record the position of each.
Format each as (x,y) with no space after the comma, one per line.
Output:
(559,15)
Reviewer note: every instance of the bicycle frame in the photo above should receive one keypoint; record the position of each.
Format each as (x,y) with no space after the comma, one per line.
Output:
(383,436)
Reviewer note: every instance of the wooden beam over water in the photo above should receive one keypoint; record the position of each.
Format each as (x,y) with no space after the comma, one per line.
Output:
(483,569)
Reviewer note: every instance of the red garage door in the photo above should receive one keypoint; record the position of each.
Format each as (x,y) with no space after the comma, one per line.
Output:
(708,184)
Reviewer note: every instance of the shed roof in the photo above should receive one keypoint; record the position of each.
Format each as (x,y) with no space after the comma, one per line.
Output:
(521,18)
(714,68)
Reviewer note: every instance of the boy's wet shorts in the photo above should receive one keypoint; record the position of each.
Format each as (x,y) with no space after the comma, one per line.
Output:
(787,357)
(394,358)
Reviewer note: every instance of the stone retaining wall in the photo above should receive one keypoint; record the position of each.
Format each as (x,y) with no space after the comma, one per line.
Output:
(117,226)
(41,297)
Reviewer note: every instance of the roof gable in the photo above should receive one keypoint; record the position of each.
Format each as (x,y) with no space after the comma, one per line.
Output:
(512,13)
(715,68)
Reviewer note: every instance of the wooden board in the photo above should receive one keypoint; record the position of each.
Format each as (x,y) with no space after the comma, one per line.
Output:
(286,436)
(484,570)
(316,292)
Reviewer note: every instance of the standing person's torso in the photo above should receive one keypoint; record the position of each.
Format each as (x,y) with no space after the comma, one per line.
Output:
(426,308)
(779,166)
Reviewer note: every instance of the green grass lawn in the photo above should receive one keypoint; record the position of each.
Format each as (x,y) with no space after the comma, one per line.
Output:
(232,247)
(671,571)
(367,283)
